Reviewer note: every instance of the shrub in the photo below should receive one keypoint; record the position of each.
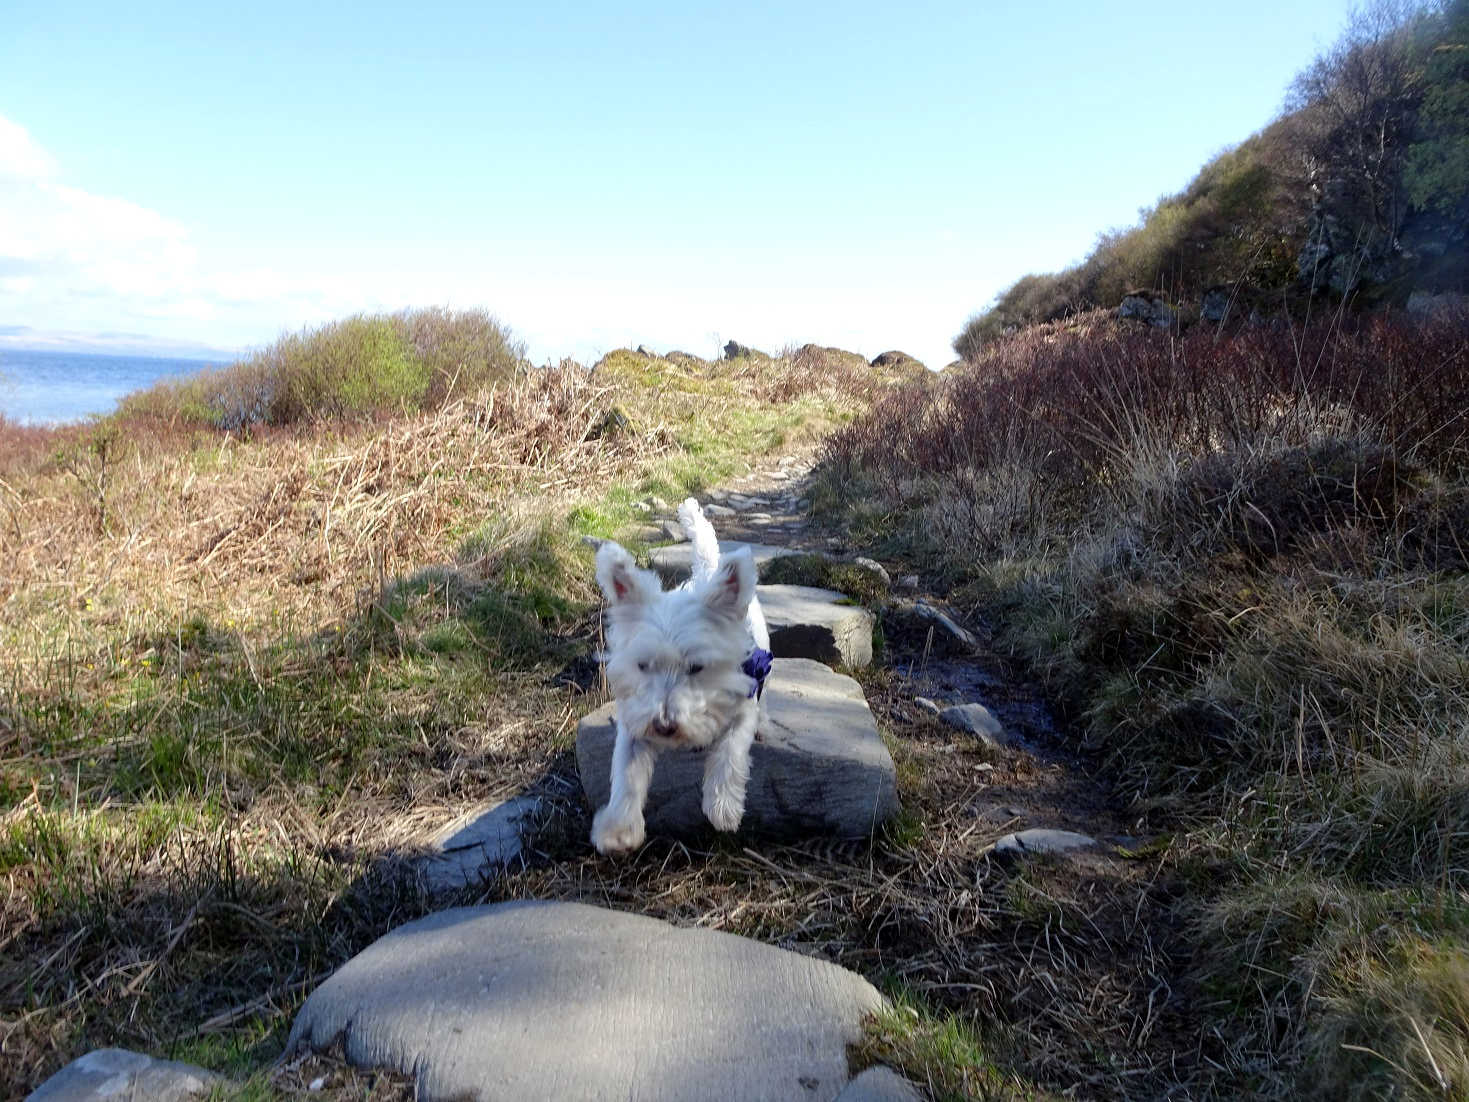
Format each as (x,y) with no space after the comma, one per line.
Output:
(416,359)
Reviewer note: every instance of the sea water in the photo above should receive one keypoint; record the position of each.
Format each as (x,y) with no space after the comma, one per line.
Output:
(53,387)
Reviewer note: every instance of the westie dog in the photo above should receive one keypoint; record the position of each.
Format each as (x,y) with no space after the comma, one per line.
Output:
(687,667)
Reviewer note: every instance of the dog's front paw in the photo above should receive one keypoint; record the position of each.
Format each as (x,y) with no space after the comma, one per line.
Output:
(724,810)
(613,835)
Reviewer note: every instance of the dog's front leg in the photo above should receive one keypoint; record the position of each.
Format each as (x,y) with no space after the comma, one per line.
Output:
(728,770)
(618,827)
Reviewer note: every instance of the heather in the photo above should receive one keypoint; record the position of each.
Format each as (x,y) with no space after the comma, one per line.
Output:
(1235,560)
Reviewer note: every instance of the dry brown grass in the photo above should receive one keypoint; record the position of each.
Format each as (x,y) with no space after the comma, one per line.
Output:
(243,671)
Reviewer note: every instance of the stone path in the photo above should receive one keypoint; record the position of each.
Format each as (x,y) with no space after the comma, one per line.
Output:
(570,1001)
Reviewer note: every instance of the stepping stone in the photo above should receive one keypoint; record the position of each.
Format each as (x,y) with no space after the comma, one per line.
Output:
(477,847)
(1042,840)
(806,622)
(674,564)
(821,768)
(117,1073)
(559,1000)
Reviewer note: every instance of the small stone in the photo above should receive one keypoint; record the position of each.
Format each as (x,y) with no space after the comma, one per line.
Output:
(673,530)
(713,511)
(947,622)
(927,705)
(778,476)
(641,507)
(477,847)
(874,566)
(803,503)
(759,518)
(658,505)
(1042,840)
(978,721)
(908,581)
(317,1084)
(118,1073)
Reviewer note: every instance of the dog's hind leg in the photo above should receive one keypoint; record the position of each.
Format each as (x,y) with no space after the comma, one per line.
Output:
(727,771)
(618,827)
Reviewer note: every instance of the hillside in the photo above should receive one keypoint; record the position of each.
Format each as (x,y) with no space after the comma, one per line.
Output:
(1359,191)
(1235,561)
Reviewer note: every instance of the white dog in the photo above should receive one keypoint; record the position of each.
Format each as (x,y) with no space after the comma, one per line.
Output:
(687,667)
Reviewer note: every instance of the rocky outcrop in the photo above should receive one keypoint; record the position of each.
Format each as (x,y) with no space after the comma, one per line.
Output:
(1149,307)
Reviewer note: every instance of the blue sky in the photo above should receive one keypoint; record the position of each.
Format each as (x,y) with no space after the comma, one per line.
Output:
(865,175)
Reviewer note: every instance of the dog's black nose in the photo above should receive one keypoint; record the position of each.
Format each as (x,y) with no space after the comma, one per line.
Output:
(664,729)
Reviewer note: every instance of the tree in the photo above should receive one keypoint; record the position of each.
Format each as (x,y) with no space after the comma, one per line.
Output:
(1436,170)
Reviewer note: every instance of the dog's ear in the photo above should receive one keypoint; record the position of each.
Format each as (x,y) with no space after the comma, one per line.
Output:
(620,578)
(729,590)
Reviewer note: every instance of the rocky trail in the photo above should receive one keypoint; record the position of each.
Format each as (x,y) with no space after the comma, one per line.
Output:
(553,998)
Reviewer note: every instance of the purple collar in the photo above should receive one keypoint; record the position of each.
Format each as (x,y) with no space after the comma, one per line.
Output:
(757,667)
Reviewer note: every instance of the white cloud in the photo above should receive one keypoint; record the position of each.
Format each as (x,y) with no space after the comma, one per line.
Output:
(20,156)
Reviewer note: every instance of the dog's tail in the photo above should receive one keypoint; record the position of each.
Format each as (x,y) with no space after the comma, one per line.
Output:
(701,535)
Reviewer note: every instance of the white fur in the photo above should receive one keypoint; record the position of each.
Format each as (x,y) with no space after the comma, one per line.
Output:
(673,661)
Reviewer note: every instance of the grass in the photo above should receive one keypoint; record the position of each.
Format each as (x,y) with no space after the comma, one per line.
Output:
(245,671)
(1229,559)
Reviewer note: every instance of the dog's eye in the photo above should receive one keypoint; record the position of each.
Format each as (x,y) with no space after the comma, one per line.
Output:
(694,667)
(642,667)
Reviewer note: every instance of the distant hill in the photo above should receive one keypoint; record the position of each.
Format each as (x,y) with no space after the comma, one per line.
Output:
(1359,190)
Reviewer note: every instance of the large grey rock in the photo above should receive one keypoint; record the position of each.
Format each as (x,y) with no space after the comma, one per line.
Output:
(477,847)
(806,622)
(531,1000)
(821,768)
(119,1074)
(673,564)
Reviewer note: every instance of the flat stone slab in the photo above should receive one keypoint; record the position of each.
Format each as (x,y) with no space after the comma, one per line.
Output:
(118,1074)
(807,622)
(819,768)
(528,1000)
(674,564)
(477,847)
(1043,840)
